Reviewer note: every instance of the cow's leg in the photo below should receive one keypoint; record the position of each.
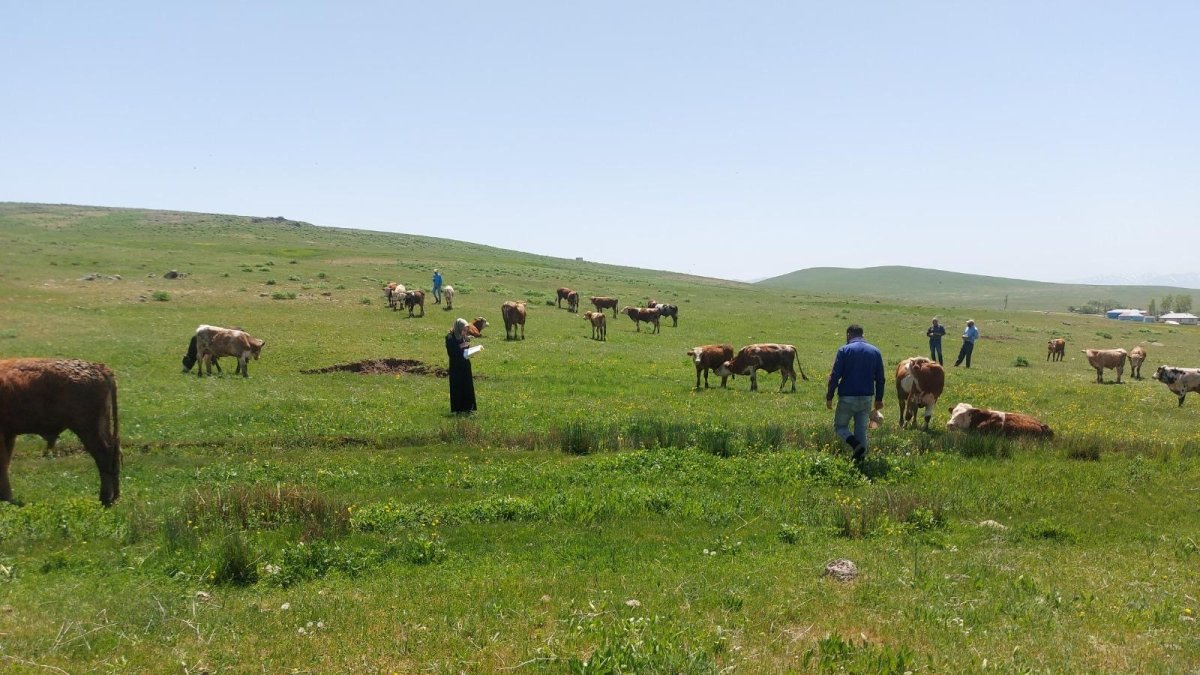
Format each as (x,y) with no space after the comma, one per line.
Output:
(1120,371)
(1181,397)
(244,362)
(753,379)
(1100,375)
(698,369)
(928,415)
(104,451)
(9,441)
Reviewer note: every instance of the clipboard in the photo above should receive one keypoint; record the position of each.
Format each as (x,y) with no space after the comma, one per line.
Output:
(471,351)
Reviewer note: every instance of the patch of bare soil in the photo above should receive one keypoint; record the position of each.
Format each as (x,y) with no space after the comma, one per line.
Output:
(383,367)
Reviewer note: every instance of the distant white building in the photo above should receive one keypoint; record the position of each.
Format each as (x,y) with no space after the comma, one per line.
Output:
(1132,315)
(1182,318)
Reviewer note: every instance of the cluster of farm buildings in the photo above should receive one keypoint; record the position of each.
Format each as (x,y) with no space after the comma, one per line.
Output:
(1140,316)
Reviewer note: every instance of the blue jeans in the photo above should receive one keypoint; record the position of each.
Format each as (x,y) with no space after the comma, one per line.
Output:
(935,350)
(858,408)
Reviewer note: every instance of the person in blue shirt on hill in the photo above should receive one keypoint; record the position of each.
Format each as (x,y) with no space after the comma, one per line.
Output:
(970,335)
(935,333)
(437,287)
(857,377)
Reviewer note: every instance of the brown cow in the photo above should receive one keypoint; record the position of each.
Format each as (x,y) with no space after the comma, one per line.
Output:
(710,357)
(599,325)
(46,397)
(1179,380)
(394,293)
(1107,358)
(564,293)
(1137,355)
(640,314)
(602,303)
(415,298)
(768,357)
(666,310)
(475,328)
(966,417)
(514,315)
(1056,349)
(573,302)
(919,383)
(213,342)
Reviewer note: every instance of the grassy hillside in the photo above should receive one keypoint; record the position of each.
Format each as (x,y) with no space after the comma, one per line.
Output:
(598,514)
(930,286)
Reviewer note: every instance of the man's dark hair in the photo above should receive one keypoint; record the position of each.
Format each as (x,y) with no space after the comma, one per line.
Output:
(854,330)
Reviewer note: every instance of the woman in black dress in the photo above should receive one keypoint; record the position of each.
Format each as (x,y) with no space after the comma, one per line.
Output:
(462,384)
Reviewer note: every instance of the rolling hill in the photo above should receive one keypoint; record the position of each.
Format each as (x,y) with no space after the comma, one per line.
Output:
(939,287)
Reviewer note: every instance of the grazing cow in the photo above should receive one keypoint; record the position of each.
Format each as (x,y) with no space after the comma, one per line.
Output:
(475,328)
(599,325)
(1056,349)
(919,383)
(1137,355)
(1107,358)
(710,357)
(966,417)
(213,342)
(1179,380)
(192,356)
(46,397)
(573,302)
(602,303)
(666,310)
(415,299)
(768,357)
(640,314)
(448,295)
(564,293)
(514,315)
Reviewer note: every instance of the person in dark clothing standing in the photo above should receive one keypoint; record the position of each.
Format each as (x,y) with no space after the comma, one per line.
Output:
(935,333)
(857,377)
(462,383)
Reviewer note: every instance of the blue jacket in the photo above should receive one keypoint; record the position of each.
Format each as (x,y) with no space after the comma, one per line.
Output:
(857,371)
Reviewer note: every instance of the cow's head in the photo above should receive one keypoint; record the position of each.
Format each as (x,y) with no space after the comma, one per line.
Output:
(1166,375)
(960,416)
(256,346)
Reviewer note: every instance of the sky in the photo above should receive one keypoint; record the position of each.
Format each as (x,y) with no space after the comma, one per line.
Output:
(1039,140)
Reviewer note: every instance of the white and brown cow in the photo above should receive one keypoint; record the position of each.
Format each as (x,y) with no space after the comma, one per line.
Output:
(1137,356)
(710,357)
(602,303)
(213,342)
(599,325)
(640,314)
(475,328)
(48,396)
(1056,349)
(394,293)
(966,417)
(1107,358)
(919,383)
(768,357)
(1179,380)
(666,310)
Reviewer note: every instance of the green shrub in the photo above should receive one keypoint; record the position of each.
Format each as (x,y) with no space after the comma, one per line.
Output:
(270,282)
(235,561)
(160,296)
(282,295)
(1020,362)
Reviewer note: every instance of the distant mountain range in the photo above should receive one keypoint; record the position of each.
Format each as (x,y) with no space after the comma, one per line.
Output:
(1182,280)
(929,287)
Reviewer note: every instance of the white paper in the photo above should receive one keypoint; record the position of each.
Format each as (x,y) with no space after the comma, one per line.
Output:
(471,351)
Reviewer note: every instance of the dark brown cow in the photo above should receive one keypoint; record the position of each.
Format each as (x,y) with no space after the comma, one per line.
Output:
(1056,349)
(415,298)
(919,383)
(966,417)
(573,302)
(46,397)
(475,328)
(640,314)
(564,293)
(768,357)
(514,315)
(599,325)
(602,303)
(666,310)
(1107,358)
(1137,356)
(710,357)
(213,342)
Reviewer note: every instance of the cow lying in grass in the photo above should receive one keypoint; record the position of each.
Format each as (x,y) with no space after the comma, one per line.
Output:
(1179,380)
(966,417)
(48,396)
(475,328)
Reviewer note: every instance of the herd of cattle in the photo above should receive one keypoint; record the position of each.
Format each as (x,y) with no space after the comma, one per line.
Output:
(48,396)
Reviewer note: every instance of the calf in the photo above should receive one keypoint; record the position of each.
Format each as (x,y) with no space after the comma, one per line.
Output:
(1137,356)
(966,417)
(666,310)
(475,328)
(640,314)
(768,357)
(710,357)
(573,302)
(1179,380)
(448,294)
(213,342)
(599,325)
(394,293)
(1056,349)
(602,303)
(413,299)
(46,397)
(564,293)
(514,315)
(1107,358)
(919,383)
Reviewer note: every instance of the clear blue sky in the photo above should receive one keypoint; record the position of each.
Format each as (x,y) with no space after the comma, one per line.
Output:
(1042,140)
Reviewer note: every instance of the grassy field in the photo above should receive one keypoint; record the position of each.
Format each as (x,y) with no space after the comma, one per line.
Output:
(598,514)
(896,283)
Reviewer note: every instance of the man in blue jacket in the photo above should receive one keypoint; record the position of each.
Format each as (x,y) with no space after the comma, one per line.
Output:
(857,377)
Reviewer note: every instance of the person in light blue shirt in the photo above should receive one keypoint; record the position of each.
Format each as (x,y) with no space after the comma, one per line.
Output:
(857,378)
(437,287)
(970,335)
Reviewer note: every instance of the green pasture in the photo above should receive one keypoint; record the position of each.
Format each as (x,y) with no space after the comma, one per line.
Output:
(598,514)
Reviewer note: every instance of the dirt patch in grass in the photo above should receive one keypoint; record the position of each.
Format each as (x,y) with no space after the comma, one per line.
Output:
(383,367)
